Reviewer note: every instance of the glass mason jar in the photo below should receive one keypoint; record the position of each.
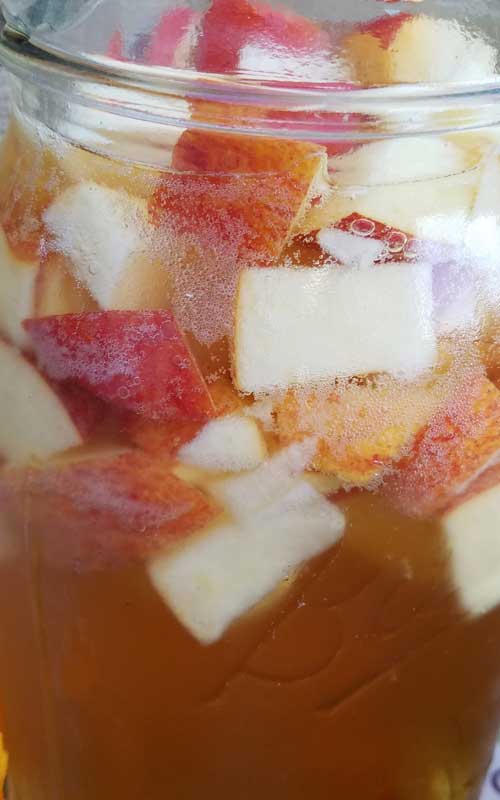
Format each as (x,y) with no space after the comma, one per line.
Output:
(250,404)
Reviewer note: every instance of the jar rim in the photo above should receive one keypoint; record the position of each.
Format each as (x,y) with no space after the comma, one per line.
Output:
(405,107)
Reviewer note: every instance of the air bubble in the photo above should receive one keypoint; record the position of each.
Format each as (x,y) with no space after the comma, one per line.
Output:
(362,227)
(396,241)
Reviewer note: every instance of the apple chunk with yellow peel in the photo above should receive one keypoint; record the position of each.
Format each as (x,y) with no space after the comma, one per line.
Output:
(136,360)
(460,442)
(36,421)
(17,293)
(233,201)
(221,574)
(296,327)
(361,429)
(110,245)
(471,526)
(104,510)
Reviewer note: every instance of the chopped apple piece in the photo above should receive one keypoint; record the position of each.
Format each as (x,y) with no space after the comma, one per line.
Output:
(35,420)
(227,444)
(425,186)
(459,443)
(135,360)
(413,49)
(172,40)
(109,242)
(233,202)
(401,160)
(361,429)
(57,291)
(17,292)
(295,327)
(252,37)
(426,49)
(471,527)
(367,49)
(349,249)
(220,575)
(101,511)
(247,494)
(30,177)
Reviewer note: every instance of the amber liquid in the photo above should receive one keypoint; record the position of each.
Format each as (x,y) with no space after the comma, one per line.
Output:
(361,679)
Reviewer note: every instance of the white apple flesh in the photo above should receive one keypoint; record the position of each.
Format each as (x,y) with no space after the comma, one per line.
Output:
(227,444)
(35,422)
(472,532)
(105,234)
(295,327)
(223,573)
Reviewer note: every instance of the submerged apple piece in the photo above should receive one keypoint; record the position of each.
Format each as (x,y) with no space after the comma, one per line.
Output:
(17,293)
(471,527)
(367,48)
(227,444)
(295,327)
(57,291)
(103,510)
(135,360)
(361,429)
(459,443)
(218,576)
(36,421)
(243,36)
(405,48)
(424,186)
(426,49)
(109,243)
(30,176)
(234,203)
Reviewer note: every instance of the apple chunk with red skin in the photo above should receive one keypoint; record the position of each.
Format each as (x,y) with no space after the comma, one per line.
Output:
(458,444)
(95,511)
(243,36)
(234,201)
(471,525)
(135,360)
(39,418)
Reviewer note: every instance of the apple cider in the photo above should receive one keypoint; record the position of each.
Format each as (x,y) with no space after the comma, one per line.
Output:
(250,430)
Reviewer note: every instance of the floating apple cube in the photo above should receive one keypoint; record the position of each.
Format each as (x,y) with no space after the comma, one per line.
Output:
(17,293)
(36,421)
(249,37)
(295,327)
(136,360)
(460,442)
(472,528)
(417,48)
(224,572)
(106,236)
(234,201)
(227,444)
(424,186)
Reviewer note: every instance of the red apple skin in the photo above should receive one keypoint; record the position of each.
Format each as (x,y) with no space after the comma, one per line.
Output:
(103,512)
(165,40)
(228,25)
(134,360)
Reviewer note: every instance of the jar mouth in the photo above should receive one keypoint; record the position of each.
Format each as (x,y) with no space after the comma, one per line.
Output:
(303,111)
